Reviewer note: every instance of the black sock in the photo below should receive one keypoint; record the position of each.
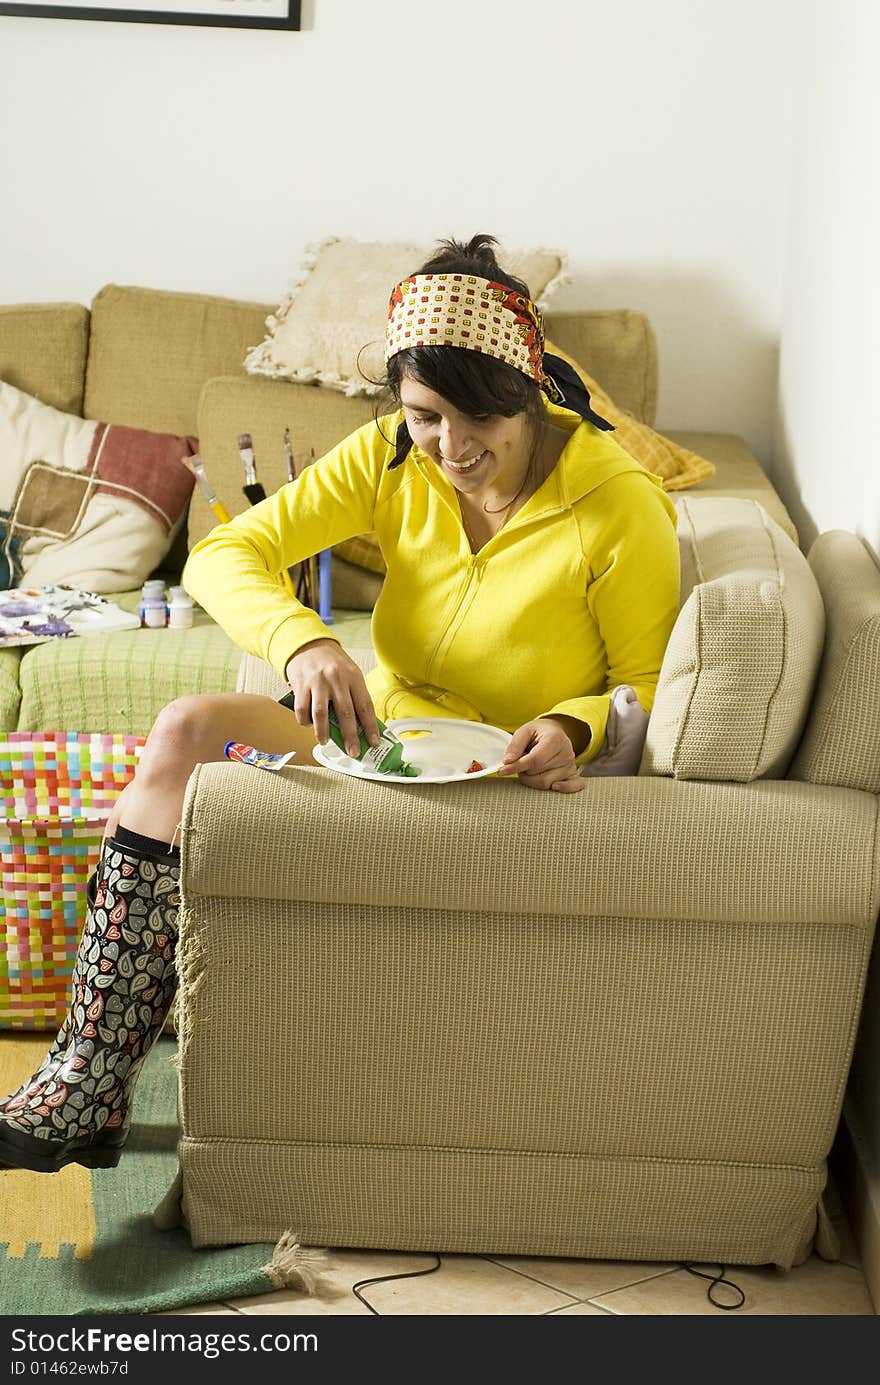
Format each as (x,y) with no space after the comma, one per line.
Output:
(146,846)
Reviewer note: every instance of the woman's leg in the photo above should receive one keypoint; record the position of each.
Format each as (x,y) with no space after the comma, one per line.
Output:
(75,1109)
(192,731)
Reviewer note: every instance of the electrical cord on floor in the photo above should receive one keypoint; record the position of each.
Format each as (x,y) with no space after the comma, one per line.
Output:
(383,1278)
(716,1279)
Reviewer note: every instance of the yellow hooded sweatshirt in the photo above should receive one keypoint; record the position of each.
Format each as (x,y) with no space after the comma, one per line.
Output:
(576,594)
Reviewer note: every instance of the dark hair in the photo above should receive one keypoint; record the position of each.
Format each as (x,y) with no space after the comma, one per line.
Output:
(473,383)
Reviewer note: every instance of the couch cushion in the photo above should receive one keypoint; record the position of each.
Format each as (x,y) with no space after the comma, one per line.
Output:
(121,681)
(841,744)
(739,669)
(619,345)
(151,351)
(618,348)
(43,349)
(317,419)
(737,473)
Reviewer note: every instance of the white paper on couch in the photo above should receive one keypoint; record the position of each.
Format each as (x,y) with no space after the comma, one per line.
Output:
(33,615)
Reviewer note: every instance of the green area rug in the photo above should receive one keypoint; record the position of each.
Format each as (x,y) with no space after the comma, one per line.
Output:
(83,1241)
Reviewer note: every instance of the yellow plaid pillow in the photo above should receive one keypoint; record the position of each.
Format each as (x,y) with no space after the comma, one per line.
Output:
(676,466)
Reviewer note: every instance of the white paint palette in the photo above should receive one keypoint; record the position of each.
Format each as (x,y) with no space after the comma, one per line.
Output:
(443,748)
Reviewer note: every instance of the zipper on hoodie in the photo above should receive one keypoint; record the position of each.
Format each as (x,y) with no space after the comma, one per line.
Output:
(470,586)
(473,574)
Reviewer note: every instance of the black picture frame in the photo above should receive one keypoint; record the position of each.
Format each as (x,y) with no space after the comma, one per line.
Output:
(287,15)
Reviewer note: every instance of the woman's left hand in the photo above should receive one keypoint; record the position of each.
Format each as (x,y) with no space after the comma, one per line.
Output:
(542,754)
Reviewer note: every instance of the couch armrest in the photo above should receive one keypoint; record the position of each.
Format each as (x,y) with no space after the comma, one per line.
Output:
(841,743)
(487,1008)
(643,848)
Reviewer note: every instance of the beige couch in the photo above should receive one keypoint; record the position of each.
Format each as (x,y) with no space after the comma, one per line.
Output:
(473,1017)
(477,1018)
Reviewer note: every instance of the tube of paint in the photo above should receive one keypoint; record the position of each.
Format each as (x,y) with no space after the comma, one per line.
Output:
(385,758)
(261,759)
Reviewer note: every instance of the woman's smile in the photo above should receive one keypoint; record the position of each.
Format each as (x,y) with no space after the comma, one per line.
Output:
(464,468)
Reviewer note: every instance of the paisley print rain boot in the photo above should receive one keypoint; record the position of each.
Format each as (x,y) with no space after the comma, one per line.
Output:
(75,1109)
(58,1048)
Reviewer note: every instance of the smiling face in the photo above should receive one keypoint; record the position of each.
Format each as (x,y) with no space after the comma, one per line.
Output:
(479,453)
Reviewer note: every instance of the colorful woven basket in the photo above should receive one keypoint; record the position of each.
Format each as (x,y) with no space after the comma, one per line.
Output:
(57,790)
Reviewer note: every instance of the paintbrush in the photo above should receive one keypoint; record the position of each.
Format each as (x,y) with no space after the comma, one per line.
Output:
(303,591)
(251,488)
(195,465)
(325,610)
(288,456)
(314,581)
(319,576)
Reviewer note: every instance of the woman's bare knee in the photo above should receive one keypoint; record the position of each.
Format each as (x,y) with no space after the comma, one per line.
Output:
(195,729)
(179,740)
(185,732)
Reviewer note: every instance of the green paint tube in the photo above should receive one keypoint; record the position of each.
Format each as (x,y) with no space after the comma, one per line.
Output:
(384,758)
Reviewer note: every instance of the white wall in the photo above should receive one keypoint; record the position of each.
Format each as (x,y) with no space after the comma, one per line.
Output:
(649,140)
(827,455)
(826,458)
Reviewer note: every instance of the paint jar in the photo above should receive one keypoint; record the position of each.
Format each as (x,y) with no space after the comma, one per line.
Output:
(154,587)
(180,609)
(172,592)
(154,612)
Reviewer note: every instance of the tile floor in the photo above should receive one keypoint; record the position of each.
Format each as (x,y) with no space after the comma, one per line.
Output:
(484,1285)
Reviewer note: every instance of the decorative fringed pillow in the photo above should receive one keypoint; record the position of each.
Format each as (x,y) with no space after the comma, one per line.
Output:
(330,327)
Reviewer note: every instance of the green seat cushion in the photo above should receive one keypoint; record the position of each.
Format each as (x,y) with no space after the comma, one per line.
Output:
(122,680)
(10,695)
(352,629)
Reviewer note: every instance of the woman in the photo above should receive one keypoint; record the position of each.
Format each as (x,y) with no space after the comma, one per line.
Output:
(532,570)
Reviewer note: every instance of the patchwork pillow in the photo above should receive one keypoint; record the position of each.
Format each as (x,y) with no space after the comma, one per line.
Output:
(738,673)
(337,305)
(82,503)
(675,465)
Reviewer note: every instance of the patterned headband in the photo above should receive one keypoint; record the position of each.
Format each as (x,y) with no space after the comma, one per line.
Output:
(480,315)
(464,310)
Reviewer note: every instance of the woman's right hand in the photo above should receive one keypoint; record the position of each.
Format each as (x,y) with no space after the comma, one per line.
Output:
(320,673)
